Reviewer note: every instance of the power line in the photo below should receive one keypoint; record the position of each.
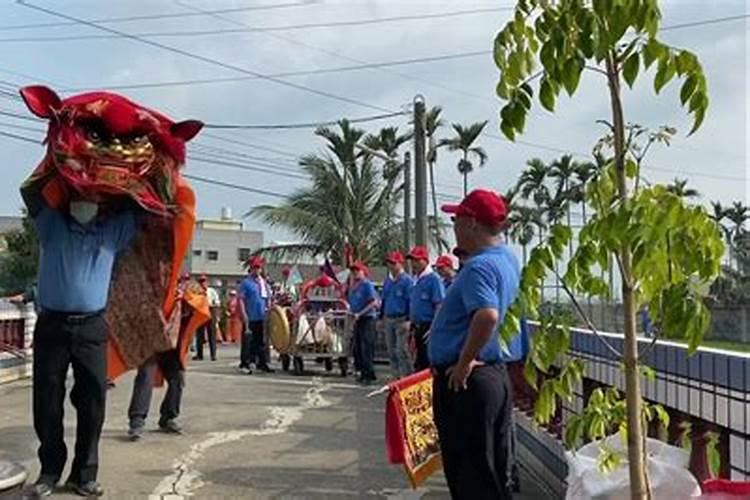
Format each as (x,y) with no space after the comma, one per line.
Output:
(19,137)
(261,29)
(234,186)
(303,125)
(242,166)
(705,22)
(205,59)
(286,74)
(150,17)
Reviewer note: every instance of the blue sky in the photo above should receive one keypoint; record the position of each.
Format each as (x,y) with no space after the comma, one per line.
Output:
(714,160)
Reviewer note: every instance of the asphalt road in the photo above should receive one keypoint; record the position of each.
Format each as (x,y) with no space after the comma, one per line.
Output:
(260,436)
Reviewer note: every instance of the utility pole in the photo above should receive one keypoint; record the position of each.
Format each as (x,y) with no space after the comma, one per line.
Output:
(407,201)
(420,172)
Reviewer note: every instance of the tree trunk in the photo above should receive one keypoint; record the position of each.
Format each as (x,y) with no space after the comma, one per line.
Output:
(466,175)
(639,488)
(435,207)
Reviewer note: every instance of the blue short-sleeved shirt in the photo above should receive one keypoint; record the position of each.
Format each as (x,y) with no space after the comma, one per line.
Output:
(396,295)
(360,295)
(250,291)
(518,347)
(426,295)
(489,279)
(76,260)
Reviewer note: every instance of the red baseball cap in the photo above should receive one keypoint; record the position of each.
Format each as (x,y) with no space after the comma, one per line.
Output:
(485,206)
(419,253)
(255,261)
(444,261)
(359,266)
(394,257)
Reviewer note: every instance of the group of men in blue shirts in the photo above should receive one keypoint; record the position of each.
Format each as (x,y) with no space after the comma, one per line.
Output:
(455,334)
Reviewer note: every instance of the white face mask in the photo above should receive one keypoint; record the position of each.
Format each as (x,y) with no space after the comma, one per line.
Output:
(83,211)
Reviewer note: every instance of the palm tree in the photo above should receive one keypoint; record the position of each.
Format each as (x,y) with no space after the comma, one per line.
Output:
(533,182)
(563,171)
(432,122)
(464,142)
(680,189)
(524,222)
(737,215)
(345,204)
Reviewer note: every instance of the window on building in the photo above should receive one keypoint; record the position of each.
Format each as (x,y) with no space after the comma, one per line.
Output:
(243,254)
(197,253)
(212,255)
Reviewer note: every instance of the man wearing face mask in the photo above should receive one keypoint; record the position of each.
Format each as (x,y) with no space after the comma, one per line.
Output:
(77,254)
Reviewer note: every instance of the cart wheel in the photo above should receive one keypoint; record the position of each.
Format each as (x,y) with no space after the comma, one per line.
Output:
(328,363)
(299,366)
(285,362)
(344,366)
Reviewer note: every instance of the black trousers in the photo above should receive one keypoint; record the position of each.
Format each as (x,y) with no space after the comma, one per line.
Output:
(62,340)
(364,343)
(207,330)
(422,359)
(474,427)
(253,345)
(140,401)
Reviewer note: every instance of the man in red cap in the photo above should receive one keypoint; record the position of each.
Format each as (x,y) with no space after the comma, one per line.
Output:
(254,294)
(208,331)
(363,304)
(395,313)
(444,267)
(424,301)
(471,395)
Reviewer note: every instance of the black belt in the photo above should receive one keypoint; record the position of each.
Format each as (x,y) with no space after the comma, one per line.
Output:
(400,316)
(70,317)
(440,371)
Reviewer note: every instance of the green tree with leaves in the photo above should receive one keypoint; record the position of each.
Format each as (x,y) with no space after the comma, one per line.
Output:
(615,40)
(346,203)
(679,188)
(432,122)
(19,262)
(463,142)
(525,222)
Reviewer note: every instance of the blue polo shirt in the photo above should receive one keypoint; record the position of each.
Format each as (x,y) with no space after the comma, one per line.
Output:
(360,295)
(250,293)
(426,295)
(76,260)
(489,279)
(396,296)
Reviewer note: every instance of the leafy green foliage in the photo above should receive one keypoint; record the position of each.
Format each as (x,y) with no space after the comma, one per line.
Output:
(713,454)
(569,36)
(19,261)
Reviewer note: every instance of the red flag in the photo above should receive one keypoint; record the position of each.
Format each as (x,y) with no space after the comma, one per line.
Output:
(410,434)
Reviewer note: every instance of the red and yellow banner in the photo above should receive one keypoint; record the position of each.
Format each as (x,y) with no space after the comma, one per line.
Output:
(410,433)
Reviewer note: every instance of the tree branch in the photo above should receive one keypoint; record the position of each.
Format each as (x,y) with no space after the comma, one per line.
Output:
(596,70)
(585,318)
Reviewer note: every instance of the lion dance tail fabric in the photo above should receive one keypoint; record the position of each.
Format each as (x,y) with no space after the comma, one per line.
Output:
(410,434)
(105,148)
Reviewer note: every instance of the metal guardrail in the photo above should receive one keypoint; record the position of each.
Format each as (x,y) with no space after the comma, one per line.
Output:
(709,390)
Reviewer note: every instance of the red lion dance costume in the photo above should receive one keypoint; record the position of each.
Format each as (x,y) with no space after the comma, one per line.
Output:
(108,148)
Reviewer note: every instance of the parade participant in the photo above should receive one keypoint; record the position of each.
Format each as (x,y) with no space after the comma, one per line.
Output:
(395,313)
(363,301)
(78,251)
(461,255)
(165,364)
(471,395)
(424,301)
(108,162)
(235,323)
(208,331)
(254,294)
(444,267)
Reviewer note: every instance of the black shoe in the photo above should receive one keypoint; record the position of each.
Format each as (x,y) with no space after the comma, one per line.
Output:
(43,487)
(135,433)
(266,369)
(213,358)
(196,358)
(87,489)
(170,427)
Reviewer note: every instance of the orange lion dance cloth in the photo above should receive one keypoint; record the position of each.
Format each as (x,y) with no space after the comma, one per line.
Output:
(107,148)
